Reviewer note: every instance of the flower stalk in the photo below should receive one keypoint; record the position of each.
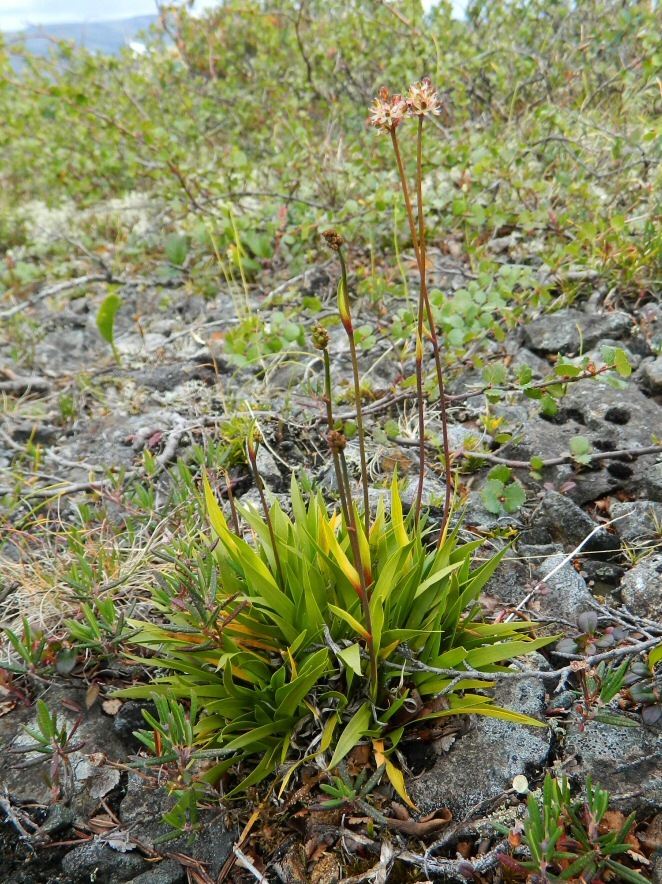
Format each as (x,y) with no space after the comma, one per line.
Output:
(335,242)
(251,450)
(321,342)
(337,442)
(386,115)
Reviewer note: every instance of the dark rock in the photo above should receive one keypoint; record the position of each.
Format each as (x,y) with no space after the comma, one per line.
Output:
(59,818)
(566,523)
(569,331)
(98,862)
(595,571)
(164,378)
(536,537)
(130,719)
(483,763)
(637,520)
(652,483)
(141,812)
(651,375)
(510,582)
(166,872)
(611,419)
(40,434)
(641,588)
(624,760)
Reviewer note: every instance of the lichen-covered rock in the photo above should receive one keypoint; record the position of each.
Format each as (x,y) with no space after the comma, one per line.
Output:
(641,589)
(570,331)
(651,375)
(568,524)
(624,760)
(565,593)
(482,764)
(637,520)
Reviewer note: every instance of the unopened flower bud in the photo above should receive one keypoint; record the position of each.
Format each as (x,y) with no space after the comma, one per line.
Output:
(320,337)
(337,440)
(253,440)
(333,239)
(343,307)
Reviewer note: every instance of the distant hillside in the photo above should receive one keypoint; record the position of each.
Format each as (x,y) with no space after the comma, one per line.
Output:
(107,37)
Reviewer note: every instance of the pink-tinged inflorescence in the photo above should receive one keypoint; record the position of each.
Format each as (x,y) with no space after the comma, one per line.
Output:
(423,100)
(388,111)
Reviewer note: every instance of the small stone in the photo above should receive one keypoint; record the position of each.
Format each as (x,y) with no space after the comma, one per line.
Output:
(268,469)
(166,872)
(521,784)
(97,862)
(59,818)
(651,375)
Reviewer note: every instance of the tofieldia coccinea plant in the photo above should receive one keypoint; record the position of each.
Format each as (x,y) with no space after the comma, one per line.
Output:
(301,634)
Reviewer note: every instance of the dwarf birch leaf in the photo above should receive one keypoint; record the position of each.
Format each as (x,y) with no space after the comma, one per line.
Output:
(514,496)
(500,472)
(622,363)
(491,496)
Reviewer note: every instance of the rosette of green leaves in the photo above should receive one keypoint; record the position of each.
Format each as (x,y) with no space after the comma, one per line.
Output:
(274,644)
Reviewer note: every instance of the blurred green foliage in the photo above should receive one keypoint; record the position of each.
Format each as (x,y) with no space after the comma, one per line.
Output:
(551,129)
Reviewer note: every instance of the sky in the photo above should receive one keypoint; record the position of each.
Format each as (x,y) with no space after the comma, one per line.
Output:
(15,14)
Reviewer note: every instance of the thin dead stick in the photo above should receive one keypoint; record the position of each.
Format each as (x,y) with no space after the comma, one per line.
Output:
(456,870)
(244,861)
(525,464)
(413,665)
